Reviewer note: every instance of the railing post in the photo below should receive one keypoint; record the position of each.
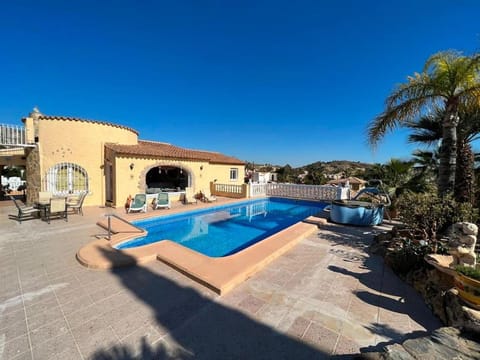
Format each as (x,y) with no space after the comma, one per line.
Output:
(109,228)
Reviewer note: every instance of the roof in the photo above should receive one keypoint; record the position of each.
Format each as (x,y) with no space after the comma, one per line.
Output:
(68,118)
(164,150)
(351,180)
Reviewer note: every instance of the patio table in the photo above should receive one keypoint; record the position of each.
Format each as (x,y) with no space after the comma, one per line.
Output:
(44,206)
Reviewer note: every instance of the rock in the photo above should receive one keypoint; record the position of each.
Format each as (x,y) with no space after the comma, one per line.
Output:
(469,228)
(462,239)
(443,344)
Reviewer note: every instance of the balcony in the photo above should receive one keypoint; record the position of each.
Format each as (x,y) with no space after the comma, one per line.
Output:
(13,136)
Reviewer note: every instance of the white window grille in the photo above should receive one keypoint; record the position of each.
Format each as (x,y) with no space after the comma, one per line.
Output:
(233,174)
(66,178)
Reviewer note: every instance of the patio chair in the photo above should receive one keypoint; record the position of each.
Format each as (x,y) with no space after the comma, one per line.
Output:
(138,203)
(58,207)
(208,197)
(189,197)
(44,197)
(76,203)
(24,212)
(162,201)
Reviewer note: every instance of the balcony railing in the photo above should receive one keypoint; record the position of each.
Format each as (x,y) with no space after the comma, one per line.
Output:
(229,190)
(11,135)
(295,191)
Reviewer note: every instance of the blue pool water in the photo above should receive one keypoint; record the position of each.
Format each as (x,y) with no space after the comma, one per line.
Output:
(225,230)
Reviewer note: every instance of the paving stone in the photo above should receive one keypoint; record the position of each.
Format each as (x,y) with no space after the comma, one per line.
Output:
(345,346)
(84,315)
(13,331)
(298,327)
(15,347)
(94,335)
(321,337)
(41,307)
(27,355)
(12,318)
(43,318)
(251,304)
(51,330)
(60,347)
(76,304)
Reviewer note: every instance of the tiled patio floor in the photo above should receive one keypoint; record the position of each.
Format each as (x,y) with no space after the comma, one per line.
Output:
(326,296)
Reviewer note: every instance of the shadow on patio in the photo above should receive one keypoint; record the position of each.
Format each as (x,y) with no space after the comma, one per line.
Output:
(396,300)
(196,327)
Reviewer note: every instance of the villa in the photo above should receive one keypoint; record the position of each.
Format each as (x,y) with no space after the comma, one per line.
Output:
(311,303)
(67,155)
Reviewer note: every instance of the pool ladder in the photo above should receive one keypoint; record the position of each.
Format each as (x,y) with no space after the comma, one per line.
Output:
(109,225)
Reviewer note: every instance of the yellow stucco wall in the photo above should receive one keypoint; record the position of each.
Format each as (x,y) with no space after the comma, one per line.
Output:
(81,143)
(130,182)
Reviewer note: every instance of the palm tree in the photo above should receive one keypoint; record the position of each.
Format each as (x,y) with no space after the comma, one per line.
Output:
(448,79)
(427,130)
(427,164)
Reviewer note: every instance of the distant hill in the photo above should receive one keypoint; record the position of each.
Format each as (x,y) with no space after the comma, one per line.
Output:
(337,166)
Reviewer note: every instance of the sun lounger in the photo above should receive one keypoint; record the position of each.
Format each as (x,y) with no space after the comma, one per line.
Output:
(208,197)
(162,201)
(139,203)
(189,196)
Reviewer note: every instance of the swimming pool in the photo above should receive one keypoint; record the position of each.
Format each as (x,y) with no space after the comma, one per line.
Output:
(225,230)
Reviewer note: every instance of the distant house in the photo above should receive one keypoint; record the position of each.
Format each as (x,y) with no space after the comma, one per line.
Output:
(263,177)
(335,176)
(355,183)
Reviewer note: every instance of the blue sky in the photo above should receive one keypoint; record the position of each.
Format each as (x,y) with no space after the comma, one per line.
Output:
(266,81)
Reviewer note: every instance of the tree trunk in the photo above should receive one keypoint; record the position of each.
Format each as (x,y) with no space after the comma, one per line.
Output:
(448,152)
(464,176)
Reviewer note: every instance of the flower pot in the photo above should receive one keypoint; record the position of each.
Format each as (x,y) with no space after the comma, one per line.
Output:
(468,289)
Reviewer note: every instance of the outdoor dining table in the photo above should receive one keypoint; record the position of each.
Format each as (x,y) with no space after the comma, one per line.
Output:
(44,206)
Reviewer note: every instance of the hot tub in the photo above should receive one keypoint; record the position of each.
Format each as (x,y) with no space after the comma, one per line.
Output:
(354,212)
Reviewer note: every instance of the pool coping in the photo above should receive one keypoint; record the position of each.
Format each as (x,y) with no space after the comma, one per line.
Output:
(218,274)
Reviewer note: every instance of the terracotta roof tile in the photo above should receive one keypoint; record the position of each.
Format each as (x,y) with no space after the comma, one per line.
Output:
(159,149)
(68,118)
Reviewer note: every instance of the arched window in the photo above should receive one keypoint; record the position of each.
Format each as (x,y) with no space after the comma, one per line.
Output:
(66,178)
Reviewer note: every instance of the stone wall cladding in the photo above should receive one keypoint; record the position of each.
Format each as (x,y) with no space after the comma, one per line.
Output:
(33,173)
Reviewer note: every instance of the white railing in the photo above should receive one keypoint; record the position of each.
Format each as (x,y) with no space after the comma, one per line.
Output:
(11,135)
(228,188)
(257,190)
(307,192)
(256,209)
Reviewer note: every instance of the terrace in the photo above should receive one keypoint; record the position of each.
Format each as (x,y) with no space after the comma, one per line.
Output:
(325,296)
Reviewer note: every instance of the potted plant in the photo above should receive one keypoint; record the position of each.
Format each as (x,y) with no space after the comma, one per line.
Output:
(467,282)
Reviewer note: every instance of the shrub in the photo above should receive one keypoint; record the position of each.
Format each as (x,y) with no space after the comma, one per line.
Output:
(407,254)
(468,271)
(428,215)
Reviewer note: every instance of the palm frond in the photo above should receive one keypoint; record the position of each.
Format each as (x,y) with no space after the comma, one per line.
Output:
(396,116)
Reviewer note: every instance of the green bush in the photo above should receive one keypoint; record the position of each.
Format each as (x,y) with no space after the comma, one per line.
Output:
(468,271)
(428,216)
(408,254)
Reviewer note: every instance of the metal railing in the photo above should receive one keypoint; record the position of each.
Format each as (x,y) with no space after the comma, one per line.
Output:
(65,179)
(109,225)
